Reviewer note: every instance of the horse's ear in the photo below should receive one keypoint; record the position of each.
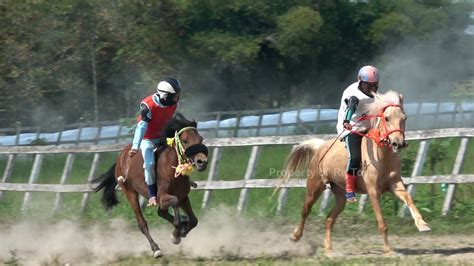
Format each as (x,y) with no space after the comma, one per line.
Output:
(401,98)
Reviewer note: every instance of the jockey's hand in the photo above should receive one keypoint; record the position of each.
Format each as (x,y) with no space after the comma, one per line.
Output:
(132,152)
(347,126)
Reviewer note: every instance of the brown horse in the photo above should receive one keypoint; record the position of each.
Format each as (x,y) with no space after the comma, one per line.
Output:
(181,150)
(380,171)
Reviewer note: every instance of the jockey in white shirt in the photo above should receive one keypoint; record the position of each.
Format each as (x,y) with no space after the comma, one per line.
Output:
(354,100)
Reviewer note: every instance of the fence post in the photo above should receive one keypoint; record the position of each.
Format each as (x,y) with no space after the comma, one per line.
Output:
(417,115)
(79,132)
(218,121)
(60,132)
(259,125)
(249,174)
(18,133)
(438,106)
(279,122)
(318,118)
(417,168)
(119,133)
(99,131)
(298,125)
(65,175)
(324,201)
(237,124)
(8,170)
(94,165)
(35,171)
(454,113)
(38,132)
(456,169)
(216,155)
(283,195)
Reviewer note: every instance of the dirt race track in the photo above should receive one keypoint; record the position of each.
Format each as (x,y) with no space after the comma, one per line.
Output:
(217,240)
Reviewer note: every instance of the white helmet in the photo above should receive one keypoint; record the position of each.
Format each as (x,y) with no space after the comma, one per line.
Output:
(167,89)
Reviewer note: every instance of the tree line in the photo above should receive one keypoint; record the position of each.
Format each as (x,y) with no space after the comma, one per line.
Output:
(58,56)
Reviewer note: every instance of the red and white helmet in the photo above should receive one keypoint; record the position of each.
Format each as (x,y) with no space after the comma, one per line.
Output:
(368,74)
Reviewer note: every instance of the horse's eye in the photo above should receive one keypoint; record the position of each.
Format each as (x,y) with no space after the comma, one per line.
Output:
(386,119)
(185,142)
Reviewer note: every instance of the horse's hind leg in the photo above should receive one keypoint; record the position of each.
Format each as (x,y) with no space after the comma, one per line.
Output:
(375,201)
(185,205)
(339,205)
(314,187)
(132,197)
(399,190)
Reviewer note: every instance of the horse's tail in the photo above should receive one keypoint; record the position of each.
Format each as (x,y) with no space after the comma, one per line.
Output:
(299,157)
(108,184)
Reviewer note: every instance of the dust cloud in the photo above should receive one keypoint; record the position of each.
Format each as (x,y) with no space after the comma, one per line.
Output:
(220,233)
(427,70)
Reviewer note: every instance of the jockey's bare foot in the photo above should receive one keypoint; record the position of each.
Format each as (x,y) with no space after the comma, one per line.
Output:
(152,202)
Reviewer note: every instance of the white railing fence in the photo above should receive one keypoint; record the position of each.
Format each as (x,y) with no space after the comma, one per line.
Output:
(270,122)
(247,183)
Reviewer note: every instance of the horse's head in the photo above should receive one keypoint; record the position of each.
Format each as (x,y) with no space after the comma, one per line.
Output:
(391,118)
(194,150)
(187,141)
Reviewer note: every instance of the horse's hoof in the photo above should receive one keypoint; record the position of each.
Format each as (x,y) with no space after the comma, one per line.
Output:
(293,238)
(157,254)
(175,240)
(424,228)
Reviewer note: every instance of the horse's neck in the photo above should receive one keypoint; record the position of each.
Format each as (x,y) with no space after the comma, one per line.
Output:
(170,153)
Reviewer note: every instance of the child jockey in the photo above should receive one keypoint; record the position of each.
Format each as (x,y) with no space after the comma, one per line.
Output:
(354,100)
(156,111)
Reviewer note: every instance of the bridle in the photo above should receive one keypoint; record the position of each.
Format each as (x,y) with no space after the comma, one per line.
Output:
(185,164)
(380,136)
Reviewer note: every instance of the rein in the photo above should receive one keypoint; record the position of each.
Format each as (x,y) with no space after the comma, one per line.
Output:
(185,166)
(375,134)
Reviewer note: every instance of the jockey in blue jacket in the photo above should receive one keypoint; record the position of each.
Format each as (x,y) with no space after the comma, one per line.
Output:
(156,111)
(354,100)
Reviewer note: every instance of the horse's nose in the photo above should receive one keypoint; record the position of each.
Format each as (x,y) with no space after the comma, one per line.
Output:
(201,164)
(399,145)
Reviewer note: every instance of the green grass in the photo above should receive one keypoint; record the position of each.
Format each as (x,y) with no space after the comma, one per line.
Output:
(260,204)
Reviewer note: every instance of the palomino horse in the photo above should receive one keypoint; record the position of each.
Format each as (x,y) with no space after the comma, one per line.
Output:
(380,171)
(184,149)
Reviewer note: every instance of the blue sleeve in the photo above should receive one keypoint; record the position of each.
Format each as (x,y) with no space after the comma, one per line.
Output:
(139,133)
(141,127)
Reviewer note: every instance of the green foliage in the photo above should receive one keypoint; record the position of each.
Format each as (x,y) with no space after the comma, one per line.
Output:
(297,32)
(391,27)
(220,49)
(225,48)
(463,91)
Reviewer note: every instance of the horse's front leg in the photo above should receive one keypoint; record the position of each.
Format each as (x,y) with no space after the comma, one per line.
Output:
(185,205)
(132,197)
(169,201)
(375,201)
(399,190)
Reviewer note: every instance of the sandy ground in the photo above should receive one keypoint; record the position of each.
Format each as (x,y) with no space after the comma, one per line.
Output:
(220,234)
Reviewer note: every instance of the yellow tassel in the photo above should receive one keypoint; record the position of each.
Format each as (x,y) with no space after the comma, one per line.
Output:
(170,141)
(183,169)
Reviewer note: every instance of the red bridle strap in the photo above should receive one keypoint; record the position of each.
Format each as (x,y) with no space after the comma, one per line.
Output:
(380,136)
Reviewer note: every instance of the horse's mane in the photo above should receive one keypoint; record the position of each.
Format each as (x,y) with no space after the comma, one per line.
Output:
(382,100)
(177,123)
